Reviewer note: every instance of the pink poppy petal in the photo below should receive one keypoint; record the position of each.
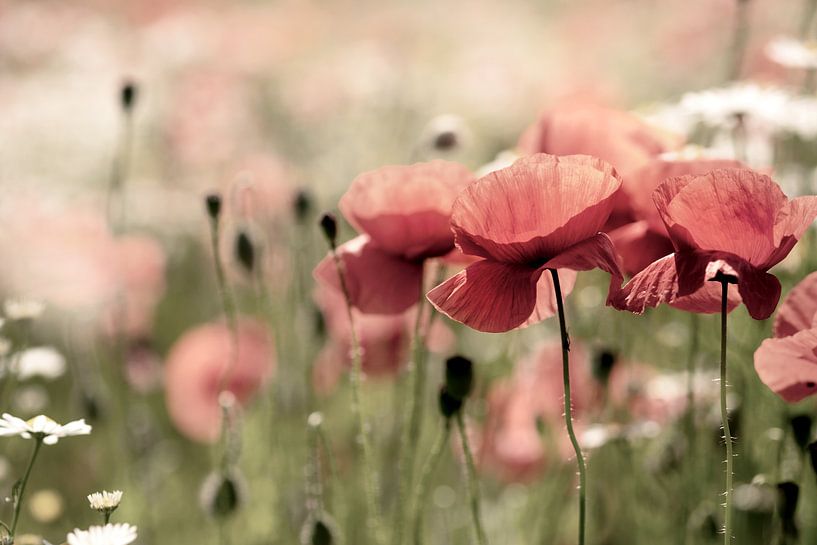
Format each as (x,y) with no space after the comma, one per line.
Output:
(792,221)
(535,208)
(406,209)
(639,245)
(378,282)
(546,297)
(596,252)
(788,366)
(799,309)
(731,210)
(488,296)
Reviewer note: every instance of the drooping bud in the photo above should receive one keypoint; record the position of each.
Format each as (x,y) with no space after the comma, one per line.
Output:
(449,405)
(302,205)
(320,530)
(459,376)
(245,251)
(213,202)
(128,94)
(329,226)
(801,429)
(222,493)
(603,365)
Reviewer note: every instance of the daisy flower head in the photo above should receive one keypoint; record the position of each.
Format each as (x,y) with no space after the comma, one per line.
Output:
(41,427)
(23,309)
(792,53)
(110,534)
(105,502)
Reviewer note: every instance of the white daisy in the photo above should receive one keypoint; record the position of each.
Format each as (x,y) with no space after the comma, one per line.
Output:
(793,53)
(23,309)
(42,361)
(110,534)
(723,106)
(105,501)
(41,427)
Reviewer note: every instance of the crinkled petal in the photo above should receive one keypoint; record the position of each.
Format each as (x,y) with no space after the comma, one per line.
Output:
(639,245)
(792,221)
(546,296)
(489,296)
(730,210)
(378,282)
(596,252)
(788,365)
(798,309)
(534,209)
(406,209)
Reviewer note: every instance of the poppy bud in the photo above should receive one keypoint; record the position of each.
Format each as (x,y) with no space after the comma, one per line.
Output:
(245,251)
(302,205)
(320,530)
(213,202)
(787,495)
(128,94)
(459,376)
(449,405)
(603,365)
(329,226)
(801,429)
(222,493)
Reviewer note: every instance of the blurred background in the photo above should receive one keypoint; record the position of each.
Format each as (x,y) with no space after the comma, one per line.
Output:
(117,118)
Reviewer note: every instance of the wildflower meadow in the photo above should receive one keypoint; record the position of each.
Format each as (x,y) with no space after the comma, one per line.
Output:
(323,272)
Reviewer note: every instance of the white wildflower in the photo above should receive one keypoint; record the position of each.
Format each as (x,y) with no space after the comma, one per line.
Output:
(43,361)
(793,53)
(41,427)
(110,534)
(105,501)
(23,309)
(748,102)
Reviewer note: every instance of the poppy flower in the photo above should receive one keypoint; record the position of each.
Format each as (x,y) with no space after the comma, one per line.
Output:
(403,213)
(543,212)
(195,370)
(645,240)
(787,363)
(736,222)
(615,136)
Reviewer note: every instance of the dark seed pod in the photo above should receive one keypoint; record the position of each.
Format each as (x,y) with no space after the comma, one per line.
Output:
(459,376)
(603,365)
(449,405)
(302,205)
(213,202)
(223,493)
(128,94)
(320,530)
(801,429)
(788,494)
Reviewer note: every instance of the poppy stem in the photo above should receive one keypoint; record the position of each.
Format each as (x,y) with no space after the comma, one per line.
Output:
(471,481)
(740,38)
(21,486)
(423,486)
(369,479)
(691,422)
(727,434)
(568,407)
(227,302)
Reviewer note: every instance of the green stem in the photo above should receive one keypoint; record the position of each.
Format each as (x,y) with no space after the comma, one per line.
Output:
(568,407)
(423,486)
(727,434)
(19,503)
(226,301)
(740,38)
(471,481)
(106,515)
(691,420)
(411,432)
(370,481)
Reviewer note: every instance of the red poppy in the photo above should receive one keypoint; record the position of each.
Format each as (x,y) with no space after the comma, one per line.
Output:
(618,137)
(787,363)
(736,222)
(644,241)
(404,213)
(543,212)
(195,368)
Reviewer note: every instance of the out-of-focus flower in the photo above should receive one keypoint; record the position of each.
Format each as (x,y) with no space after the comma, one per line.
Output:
(787,363)
(734,222)
(105,501)
(196,367)
(508,218)
(42,361)
(46,505)
(110,534)
(793,53)
(404,212)
(41,427)
(737,103)
(510,442)
(23,309)
(30,399)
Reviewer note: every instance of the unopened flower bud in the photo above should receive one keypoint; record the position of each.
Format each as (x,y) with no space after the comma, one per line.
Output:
(245,251)
(449,405)
(459,376)
(801,429)
(603,365)
(788,495)
(213,202)
(128,94)
(329,226)
(302,205)
(320,530)
(222,493)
